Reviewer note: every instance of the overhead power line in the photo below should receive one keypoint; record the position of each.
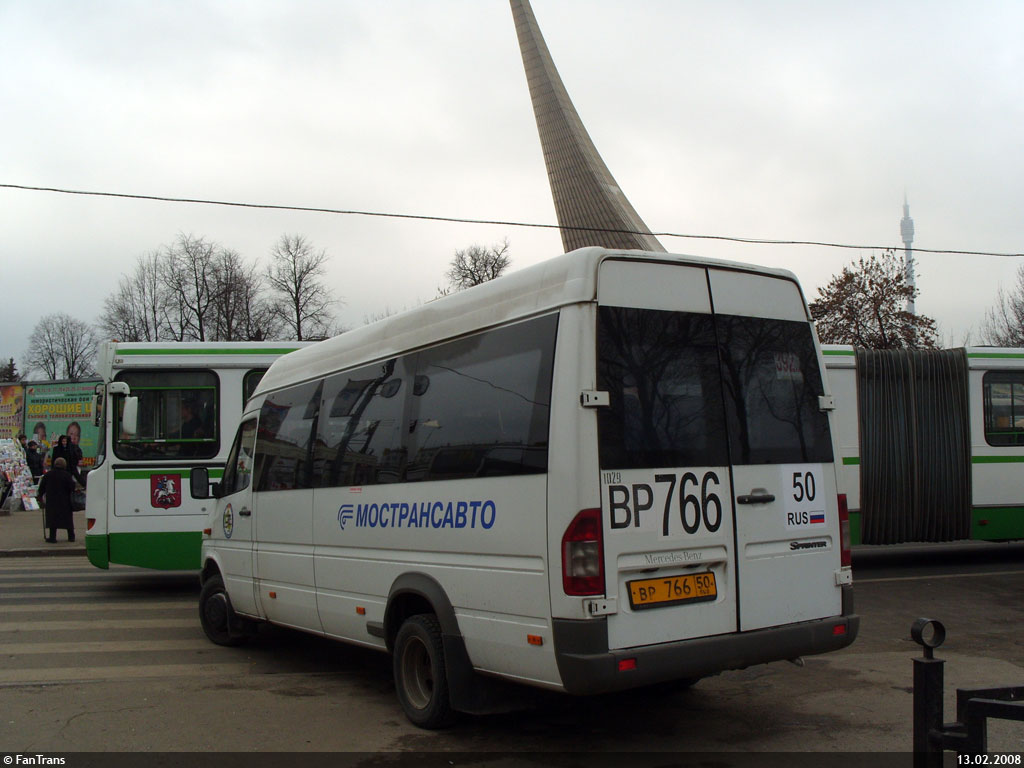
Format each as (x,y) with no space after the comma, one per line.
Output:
(462,220)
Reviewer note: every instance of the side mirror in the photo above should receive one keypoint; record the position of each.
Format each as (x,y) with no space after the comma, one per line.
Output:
(199,482)
(130,416)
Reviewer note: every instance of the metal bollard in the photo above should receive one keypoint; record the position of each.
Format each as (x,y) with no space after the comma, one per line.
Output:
(928,684)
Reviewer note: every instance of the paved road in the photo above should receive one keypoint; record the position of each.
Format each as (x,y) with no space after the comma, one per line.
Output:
(93,660)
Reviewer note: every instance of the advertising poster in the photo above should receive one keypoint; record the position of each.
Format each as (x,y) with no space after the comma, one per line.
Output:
(12,410)
(56,409)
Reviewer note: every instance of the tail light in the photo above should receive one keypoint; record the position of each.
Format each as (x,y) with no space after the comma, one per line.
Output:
(89,523)
(844,530)
(583,555)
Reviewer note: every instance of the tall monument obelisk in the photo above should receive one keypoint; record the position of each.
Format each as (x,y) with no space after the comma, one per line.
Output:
(907,234)
(591,208)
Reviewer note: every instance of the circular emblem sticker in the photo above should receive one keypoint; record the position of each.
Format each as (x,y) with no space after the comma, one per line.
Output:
(229,521)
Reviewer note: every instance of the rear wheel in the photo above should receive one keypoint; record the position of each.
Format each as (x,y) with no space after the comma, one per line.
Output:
(216,615)
(420,674)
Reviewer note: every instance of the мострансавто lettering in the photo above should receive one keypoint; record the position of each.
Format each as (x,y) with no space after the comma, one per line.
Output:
(431,514)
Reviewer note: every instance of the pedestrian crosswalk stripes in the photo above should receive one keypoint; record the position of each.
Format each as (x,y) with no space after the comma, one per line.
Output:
(62,621)
(125,646)
(161,606)
(47,598)
(58,626)
(43,675)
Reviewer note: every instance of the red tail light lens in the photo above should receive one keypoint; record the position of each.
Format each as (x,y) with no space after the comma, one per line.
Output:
(583,555)
(844,530)
(89,523)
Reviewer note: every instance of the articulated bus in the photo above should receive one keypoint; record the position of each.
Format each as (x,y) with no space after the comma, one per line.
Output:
(185,400)
(608,470)
(931,442)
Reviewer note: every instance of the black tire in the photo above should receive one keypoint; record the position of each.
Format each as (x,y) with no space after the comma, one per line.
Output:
(217,616)
(421,680)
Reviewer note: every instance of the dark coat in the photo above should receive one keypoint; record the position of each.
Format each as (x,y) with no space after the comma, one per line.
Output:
(71,453)
(55,490)
(63,452)
(34,459)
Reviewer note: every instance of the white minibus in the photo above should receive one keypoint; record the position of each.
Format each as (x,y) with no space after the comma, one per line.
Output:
(605,471)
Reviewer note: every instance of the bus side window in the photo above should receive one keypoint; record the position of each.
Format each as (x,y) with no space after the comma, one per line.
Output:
(358,440)
(1003,398)
(284,439)
(481,404)
(238,473)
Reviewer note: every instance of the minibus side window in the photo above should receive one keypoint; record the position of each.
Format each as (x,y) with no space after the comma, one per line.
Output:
(284,438)
(772,383)
(480,406)
(238,470)
(359,439)
(1003,397)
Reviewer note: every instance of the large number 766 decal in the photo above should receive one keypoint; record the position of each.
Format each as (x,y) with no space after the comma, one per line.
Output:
(626,502)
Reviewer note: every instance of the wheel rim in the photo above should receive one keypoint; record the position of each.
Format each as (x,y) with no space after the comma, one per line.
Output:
(417,675)
(216,612)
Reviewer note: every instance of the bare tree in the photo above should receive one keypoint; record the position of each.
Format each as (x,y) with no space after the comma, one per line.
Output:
(188,268)
(61,347)
(476,264)
(1004,323)
(138,309)
(301,300)
(192,290)
(240,310)
(864,305)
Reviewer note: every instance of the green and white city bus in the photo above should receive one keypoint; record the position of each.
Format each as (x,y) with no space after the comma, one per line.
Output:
(163,408)
(931,442)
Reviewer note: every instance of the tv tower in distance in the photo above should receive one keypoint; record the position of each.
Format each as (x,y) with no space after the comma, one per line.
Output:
(907,235)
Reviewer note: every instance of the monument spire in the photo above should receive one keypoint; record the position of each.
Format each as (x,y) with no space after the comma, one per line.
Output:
(907,235)
(584,192)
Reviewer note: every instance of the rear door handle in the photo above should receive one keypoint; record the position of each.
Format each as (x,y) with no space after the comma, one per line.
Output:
(245,512)
(758,497)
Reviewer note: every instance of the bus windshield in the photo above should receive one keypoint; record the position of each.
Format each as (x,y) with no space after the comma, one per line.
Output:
(177,416)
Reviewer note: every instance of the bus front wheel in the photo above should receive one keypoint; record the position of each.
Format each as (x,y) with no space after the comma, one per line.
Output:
(420,677)
(217,616)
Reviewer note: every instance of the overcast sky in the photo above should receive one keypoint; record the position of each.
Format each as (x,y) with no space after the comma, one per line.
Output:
(782,120)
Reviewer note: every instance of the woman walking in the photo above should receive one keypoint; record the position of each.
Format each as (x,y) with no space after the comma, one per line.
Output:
(55,490)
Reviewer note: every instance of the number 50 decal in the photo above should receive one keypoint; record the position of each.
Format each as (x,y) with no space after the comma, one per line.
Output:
(627,502)
(803,486)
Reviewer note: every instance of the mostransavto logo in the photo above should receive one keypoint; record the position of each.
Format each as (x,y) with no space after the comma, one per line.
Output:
(429,514)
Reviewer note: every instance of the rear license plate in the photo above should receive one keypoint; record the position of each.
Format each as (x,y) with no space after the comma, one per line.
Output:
(672,590)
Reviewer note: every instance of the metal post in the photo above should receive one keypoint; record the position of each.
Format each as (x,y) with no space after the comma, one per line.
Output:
(928,684)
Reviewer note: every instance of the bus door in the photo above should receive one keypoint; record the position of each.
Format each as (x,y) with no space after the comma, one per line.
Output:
(783,479)
(235,523)
(664,462)
(283,506)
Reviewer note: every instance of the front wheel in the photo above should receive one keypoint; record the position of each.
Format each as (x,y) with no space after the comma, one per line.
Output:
(420,675)
(217,616)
